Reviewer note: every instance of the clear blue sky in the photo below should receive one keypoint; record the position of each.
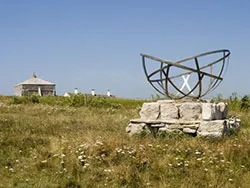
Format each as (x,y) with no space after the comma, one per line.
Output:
(96,44)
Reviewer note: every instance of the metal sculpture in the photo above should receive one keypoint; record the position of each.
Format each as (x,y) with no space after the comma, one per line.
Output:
(162,79)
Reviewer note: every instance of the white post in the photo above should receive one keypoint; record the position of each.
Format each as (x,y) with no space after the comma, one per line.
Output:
(39,91)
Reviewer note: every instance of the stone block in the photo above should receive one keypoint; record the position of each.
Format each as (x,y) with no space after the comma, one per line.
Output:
(165,101)
(190,111)
(150,111)
(210,134)
(218,113)
(167,130)
(213,126)
(168,111)
(223,109)
(192,126)
(158,125)
(208,111)
(189,130)
(213,111)
(174,126)
(137,128)
(234,124)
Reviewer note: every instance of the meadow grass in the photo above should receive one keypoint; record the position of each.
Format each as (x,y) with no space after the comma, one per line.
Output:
(55,144)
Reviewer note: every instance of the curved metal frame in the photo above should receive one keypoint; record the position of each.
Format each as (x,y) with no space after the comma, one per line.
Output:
(165,69)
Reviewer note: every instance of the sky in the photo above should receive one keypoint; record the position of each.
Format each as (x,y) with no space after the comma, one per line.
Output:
(96,44)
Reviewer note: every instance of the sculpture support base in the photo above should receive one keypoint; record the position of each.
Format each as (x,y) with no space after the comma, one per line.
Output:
(203,119)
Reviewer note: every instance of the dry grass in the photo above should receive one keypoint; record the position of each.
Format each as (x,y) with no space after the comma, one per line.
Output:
(60,146)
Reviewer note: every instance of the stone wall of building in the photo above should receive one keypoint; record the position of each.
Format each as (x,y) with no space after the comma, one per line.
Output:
(46,90)
(202,119)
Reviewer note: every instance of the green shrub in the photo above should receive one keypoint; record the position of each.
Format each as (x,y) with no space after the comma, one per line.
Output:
(20,100)
(34,99)
(102,102)
(245,103)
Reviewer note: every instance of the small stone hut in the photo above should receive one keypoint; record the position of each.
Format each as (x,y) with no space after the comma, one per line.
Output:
(36,86)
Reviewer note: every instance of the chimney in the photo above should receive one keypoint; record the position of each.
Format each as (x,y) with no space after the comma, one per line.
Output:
(34,75)
(76,91)
(108,93)
(92,92)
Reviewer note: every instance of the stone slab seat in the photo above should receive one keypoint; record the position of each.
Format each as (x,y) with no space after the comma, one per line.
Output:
(159,121)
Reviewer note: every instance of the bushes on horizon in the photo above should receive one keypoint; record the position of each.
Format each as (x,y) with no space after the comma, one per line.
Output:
(245,102)
(73,101)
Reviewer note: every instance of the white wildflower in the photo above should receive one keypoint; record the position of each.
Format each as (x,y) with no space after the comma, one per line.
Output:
(55,155)
(107,170)
(11,169)
(197,153)
(62,155)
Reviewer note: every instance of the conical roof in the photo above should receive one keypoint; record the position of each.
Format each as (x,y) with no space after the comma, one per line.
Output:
(35,81)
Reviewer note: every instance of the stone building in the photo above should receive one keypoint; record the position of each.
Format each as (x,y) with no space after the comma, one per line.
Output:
(35,85)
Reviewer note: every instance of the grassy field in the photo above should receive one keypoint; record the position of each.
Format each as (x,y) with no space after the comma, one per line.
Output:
(62,144)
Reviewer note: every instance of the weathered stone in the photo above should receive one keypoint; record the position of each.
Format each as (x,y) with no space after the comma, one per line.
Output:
(189,130)
(223,109)
(234,124)
(203,119)
(167,130)
(218,113)
(192,126)
(212,111)
(190,111)
(210,134)
(163,129)
(174,126)
(158,121)
(150,110)
(213,126)
(208,111)
(169,111)
(158,125)
(166,101)
(137,128)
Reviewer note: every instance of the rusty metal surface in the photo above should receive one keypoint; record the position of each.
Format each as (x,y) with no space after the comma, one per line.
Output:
(164,80)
